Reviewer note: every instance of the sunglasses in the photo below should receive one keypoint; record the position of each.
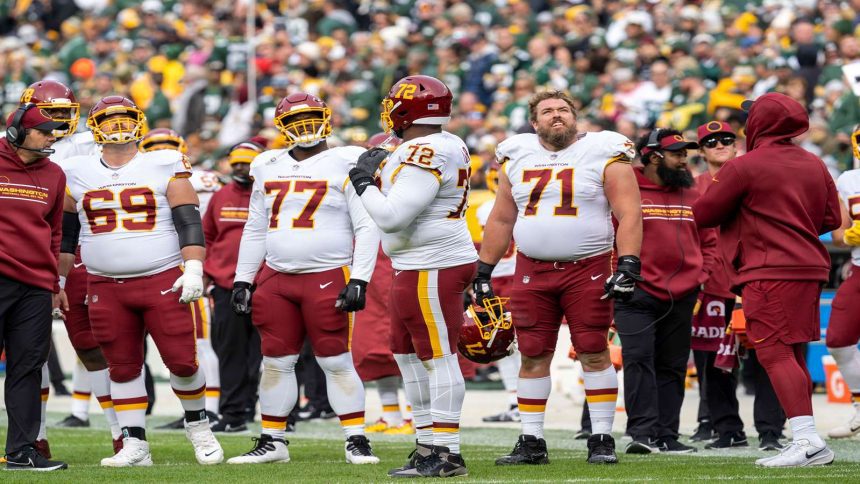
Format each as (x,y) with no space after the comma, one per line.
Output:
(723,140)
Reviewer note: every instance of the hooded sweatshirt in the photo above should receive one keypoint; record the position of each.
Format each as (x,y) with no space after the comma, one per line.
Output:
(223,223)
(672,253)
(31,215)
(772,203)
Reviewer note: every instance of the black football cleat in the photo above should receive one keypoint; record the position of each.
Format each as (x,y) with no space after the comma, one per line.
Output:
(601,449)
(73,422)
(704,432)
(416,457)
(728,441)
(529,450)
(443,464)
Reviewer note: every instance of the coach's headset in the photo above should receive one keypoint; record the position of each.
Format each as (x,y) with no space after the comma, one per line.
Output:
(16,134)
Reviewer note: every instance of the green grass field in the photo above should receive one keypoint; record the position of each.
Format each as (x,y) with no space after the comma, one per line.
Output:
(317,456)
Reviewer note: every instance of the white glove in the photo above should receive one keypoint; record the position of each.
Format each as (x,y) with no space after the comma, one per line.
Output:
(191,282)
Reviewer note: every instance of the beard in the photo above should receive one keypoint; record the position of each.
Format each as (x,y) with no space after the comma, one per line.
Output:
(557,139)
(677,178)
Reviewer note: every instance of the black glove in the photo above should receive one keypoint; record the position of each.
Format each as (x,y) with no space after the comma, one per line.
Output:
(240,300)
(352,297)
(620,285)
(481,286)
(365,168)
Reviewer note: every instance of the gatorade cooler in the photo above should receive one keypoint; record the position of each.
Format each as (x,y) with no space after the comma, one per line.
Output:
(837,390)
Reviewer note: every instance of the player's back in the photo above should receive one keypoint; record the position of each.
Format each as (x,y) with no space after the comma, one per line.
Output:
(309,224)
(438,237)
(126,222)
(205,183)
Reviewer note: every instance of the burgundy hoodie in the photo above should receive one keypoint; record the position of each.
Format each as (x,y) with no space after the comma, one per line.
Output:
(719,280)
(31,214)
(223,223)
(672,246)
(772,203)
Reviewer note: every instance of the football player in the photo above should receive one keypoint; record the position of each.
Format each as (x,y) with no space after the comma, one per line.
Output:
(502,279)
(141,239)
(319,248)
(843,332)
(372,353)
(420,209)
(205,183)
(556,191)
(91,376)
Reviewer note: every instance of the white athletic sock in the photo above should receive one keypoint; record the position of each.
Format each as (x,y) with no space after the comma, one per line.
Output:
(601,393)
(803,427)
(416,384)
(532,394)
(848,360)
(129,401)
(43,416)
(101,388)
(81,391)
(191,391)
(387,388)
(447,390)
(208,362)
(345,392)
(278,393)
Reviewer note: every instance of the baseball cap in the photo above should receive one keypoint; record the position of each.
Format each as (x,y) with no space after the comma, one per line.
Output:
(714,127)
(37,118)
(673,142)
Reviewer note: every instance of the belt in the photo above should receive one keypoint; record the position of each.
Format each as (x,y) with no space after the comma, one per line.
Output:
(560,265)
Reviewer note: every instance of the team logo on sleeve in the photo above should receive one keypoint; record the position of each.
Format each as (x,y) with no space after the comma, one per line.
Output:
(186,162)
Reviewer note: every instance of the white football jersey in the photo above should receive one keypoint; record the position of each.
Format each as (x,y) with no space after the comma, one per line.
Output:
(848,185)
(563,213)
(78,144)
(507,265)
(438,237)
(306,216)
(205,183)
(126,224)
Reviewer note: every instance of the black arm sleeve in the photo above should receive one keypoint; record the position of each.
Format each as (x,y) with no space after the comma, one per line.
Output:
(71,232)
(186,219)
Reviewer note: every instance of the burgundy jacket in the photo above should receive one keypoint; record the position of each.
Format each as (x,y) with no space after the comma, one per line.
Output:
(719,274)
(672,255)
(223,222)
(772,203)
(31,214)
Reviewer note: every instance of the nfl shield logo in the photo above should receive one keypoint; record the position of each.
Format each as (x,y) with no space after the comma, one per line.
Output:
(526,279)
(95,299)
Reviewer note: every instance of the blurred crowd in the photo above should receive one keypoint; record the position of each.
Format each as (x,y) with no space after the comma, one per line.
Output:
(630,64)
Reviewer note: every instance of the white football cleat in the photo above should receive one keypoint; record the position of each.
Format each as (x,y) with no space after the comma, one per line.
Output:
(207,450)
(266,449)
(800,453)
(134,453)
(357,449)
(850,429)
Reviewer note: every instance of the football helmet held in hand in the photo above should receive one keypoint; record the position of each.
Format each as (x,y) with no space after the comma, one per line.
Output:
(487,333)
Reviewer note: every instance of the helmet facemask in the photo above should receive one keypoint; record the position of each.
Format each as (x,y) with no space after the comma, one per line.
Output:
(491,317)
(117,125)
(304,127)
(64,111)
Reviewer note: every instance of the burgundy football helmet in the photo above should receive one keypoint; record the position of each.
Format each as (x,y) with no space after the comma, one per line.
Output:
(383,140)
(163,139)
(416,100)
(487,333)
(116,120)
(306,131)
(57,100)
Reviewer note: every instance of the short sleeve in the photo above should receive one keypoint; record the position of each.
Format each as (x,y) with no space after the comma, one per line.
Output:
(182,167)
(425,155)
(618,148)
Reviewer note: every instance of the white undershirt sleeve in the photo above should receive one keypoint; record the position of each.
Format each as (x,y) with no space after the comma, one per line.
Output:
(366,237)
(252,248)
